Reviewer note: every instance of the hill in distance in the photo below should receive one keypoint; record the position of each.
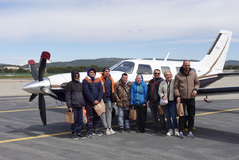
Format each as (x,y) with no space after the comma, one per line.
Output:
(101,62)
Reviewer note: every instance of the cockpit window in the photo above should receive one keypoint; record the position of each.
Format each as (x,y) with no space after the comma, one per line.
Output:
(125,66)
(144,69)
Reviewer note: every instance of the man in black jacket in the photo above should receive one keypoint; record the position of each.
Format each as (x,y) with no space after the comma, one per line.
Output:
(75,102)
(153,101)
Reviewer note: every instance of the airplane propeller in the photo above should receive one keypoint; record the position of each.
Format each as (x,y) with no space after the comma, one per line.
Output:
(41,100)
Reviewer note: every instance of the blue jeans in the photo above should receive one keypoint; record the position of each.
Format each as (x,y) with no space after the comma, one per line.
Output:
(78,118)
(121,117)
(170,112)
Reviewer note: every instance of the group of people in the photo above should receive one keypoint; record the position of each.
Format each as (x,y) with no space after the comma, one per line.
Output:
(160,95)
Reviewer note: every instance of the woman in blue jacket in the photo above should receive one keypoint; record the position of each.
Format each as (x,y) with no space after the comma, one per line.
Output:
(139,101)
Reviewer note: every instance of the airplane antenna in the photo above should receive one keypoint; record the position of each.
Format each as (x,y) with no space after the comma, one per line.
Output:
(166,58)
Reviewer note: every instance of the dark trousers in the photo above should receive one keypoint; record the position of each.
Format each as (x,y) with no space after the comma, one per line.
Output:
(155,114)
(141,116)
(78,118)
(189,111)
(93,120)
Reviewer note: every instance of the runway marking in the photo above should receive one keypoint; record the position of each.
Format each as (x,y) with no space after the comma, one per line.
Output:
(63,133)
(30,109)
(228,110)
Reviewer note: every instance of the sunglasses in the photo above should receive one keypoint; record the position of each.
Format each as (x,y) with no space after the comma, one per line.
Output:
(77,76)
(157,73)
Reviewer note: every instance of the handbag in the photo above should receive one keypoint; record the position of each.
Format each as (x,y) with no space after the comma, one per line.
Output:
(161,110)
(69,117)
(132,113)
(99,108)
(163,102)
(179,107)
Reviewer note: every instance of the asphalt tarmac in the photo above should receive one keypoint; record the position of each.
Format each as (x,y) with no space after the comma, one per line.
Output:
(23,137)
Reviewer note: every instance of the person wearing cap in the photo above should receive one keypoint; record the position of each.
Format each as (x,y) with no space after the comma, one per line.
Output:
(108,97)
(166,94)
(75,102)
(186,84)
(93,93)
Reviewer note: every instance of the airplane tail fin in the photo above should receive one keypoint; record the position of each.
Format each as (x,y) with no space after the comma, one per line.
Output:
(216,56)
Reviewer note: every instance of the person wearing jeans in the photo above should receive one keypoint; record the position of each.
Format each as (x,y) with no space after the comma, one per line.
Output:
(75,102)
(166,93)
(122,96)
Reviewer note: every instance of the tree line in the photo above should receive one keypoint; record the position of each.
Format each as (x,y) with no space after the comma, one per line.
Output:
(54,69)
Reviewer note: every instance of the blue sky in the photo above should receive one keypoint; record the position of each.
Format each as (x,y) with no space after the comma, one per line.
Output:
(89,29)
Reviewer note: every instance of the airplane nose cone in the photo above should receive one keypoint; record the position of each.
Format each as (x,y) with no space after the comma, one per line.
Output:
(35,86)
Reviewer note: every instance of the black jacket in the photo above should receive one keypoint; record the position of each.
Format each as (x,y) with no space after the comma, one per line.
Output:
(74,92)
(153,87)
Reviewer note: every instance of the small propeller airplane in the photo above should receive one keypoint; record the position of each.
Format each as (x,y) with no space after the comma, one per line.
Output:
(209,70)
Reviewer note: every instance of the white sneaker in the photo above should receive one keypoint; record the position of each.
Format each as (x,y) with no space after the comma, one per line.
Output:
(107,132)
(176,133)
(112,131)
(170,132)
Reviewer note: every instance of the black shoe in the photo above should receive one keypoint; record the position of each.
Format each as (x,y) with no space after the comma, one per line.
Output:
(81,136)
(142,130)
(153,130)
(164,131)
(121,130)
(127,130)
(74,137)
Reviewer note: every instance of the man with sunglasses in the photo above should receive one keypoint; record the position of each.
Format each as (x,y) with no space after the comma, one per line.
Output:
(153,101)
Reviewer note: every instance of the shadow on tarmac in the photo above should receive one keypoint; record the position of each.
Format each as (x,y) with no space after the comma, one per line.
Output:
(217,135)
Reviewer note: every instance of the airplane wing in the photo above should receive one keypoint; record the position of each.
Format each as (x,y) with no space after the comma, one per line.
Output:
(218,90)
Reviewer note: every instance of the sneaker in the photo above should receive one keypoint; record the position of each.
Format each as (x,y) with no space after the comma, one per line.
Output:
(81,136)
(170,132)
(127,130)
(107,132)
(190,135)
(112,131)
(74,137)
(176,133)
(180,135)
(89,134)
(97,133)
(121,130)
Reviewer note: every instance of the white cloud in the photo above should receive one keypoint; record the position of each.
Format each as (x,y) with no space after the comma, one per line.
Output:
(111,20)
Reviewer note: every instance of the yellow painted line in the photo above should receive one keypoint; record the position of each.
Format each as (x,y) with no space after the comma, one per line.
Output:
(41,136)
(228,110)
(63,133)
(21,110)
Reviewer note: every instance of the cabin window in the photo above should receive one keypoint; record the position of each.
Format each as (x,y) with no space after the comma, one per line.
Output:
(125,66)
(164,68)
(178,69)
(144,69)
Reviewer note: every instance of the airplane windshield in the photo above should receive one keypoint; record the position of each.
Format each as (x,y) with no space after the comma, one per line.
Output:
(126,67)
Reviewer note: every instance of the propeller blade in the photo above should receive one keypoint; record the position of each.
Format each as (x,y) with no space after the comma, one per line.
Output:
(33,69)
(44,56)
(42,108)
(33,96)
